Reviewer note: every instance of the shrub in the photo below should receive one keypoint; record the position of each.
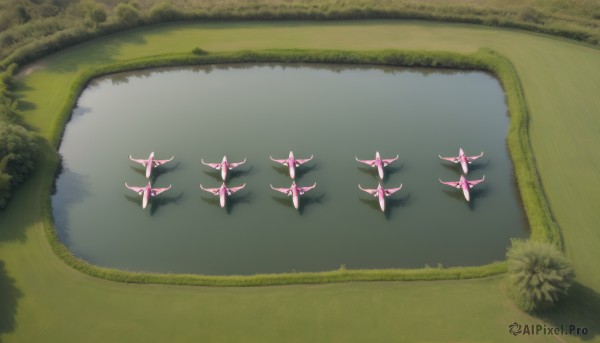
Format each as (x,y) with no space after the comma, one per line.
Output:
(97,14)
(198,51)
(127,14)
(163,12)
(538,274)
(17,152)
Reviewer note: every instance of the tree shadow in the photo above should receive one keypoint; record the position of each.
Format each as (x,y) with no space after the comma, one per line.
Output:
(580,308)
(9,298)
(102,51)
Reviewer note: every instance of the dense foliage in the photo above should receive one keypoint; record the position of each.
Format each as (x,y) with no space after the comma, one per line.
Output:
(35,27)
(538,274)
(17,145)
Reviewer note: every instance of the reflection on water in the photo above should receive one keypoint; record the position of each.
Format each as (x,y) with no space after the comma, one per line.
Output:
(250,111)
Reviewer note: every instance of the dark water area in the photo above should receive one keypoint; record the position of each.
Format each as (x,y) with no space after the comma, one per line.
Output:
(253,111)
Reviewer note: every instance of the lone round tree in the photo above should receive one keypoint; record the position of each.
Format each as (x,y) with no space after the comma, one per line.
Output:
(539,274)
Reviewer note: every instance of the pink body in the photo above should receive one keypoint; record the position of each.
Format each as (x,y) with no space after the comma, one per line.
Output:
(224,166)
(150,163)
(381,193)
(295,192)
(291,162)
(146,192)
(463,184)
(223,192)
(378,162)
(463,159)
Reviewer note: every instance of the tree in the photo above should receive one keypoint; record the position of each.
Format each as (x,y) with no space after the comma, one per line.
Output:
(17,152)
(127,13)
(98,15)
(538,274)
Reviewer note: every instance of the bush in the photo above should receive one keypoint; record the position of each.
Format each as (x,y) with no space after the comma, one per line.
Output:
(127,14)
(198,51)
(163,12)
(97,14)
(17,152)
(538,274)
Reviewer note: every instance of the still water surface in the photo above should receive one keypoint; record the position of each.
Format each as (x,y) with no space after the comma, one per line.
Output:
(252,111)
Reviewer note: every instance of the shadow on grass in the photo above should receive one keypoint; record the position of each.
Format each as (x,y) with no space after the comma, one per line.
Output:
(581,309)
(9,296)
(98,51)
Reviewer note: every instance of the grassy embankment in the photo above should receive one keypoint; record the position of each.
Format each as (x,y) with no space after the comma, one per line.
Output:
(31,29)
(44,297)
(542,227)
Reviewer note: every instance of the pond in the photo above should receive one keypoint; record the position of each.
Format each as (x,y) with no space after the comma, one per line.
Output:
(253,111)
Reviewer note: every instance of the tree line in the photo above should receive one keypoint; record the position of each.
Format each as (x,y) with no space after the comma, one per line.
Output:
(18,146)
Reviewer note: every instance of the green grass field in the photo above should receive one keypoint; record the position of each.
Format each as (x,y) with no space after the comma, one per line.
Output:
(43,300)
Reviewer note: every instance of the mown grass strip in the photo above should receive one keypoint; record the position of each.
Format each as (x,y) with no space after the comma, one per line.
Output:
(543,228)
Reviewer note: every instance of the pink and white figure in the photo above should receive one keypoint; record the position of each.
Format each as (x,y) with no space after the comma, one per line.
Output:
(294,191)
(292,163)
(378,163)
(462,159)
(147,191)
(223,192)
(224,166)
(463,184)
(150,163)
(381,193)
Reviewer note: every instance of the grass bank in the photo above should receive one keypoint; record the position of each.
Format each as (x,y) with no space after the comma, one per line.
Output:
(45,300)
(537,211)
